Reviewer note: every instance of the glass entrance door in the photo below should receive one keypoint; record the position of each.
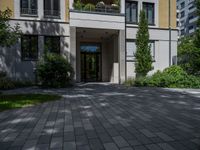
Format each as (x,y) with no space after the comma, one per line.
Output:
(90,62)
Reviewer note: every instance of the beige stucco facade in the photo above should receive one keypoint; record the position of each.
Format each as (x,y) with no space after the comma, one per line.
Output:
(108,29)
(4,4)
(164,14)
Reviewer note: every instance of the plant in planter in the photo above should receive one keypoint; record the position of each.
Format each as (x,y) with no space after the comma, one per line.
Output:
(100,6)
(115,8)
(89,7)
(78,5)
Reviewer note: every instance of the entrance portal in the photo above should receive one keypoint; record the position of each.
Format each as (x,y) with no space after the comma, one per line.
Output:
(90,62)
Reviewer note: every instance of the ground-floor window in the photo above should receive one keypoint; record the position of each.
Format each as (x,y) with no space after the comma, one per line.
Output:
(29,47)
(52,44)
(131,50)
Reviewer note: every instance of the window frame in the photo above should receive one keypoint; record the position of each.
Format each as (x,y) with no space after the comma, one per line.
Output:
(52,10)
(29,8)
(154,17)
(132,2)
(29,45)
(51,36)
(152,52)
(128,56)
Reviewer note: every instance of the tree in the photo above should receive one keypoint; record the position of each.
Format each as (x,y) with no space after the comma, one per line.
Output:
(8,34)
(143,50)
(197,33)
(189,56)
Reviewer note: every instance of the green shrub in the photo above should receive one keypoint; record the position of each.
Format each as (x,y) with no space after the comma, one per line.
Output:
(89,7)
(5,82)
(54,71)
(21,84)
(129,82)
(172,77)
(78,5)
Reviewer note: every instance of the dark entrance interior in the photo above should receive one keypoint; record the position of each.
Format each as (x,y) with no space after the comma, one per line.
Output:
(90,62)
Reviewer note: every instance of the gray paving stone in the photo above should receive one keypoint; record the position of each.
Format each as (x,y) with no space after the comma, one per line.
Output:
(96,144)
(110,146)
(148,133)
(84,147)
(126,148)
(166,146)
(99,116)
(69,146)
(165,137)
(42,147)
(120,141)
(153,147)
(140,147)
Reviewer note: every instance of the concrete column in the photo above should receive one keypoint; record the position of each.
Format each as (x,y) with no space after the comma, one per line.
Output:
(41,9)
(73,49)
(122,57)
(40,46)
(115,60)
(122,4)
(78,60)
(71,4)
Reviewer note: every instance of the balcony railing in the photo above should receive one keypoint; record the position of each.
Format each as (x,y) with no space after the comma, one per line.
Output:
(52,13)
(28,11)
(106,9)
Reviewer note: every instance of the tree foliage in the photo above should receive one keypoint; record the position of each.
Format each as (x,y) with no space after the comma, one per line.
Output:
(8,34)
(143,50)
(189,49)
(197,33)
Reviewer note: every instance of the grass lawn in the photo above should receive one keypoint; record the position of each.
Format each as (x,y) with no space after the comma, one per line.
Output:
(24,100)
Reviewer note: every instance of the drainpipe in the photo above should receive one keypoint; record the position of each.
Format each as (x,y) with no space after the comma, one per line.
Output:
(170,34)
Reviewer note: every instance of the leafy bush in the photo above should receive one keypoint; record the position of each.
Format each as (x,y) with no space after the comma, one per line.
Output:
(189,56)
(54,71)
(172,77)
(89,7)
(5,82)
(78,5)
(129,82)
(100,5)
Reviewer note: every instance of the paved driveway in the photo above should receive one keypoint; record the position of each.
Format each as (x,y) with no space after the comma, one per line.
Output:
(111,117)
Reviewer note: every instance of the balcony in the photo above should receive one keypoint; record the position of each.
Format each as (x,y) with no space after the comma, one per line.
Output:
(195,19)
(29,12)
(99,7)
(55,14)
(90,14)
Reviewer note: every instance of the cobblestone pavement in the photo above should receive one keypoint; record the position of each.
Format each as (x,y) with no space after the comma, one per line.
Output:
(105,117)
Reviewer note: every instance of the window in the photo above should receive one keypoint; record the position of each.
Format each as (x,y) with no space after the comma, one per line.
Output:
(131,12)
(190,27)
(149,11)
(28,7)
(29,47)
(182,5)
(152,45)
(131,50)
(182,23)
(52,44)
(182,14)
(52,8)
(191,7)
(191,17)
(182,32)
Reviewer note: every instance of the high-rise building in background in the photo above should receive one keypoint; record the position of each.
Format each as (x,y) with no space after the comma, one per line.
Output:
(186,17)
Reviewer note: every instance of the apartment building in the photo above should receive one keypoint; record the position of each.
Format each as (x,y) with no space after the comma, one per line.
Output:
(99,42)
(186,17)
